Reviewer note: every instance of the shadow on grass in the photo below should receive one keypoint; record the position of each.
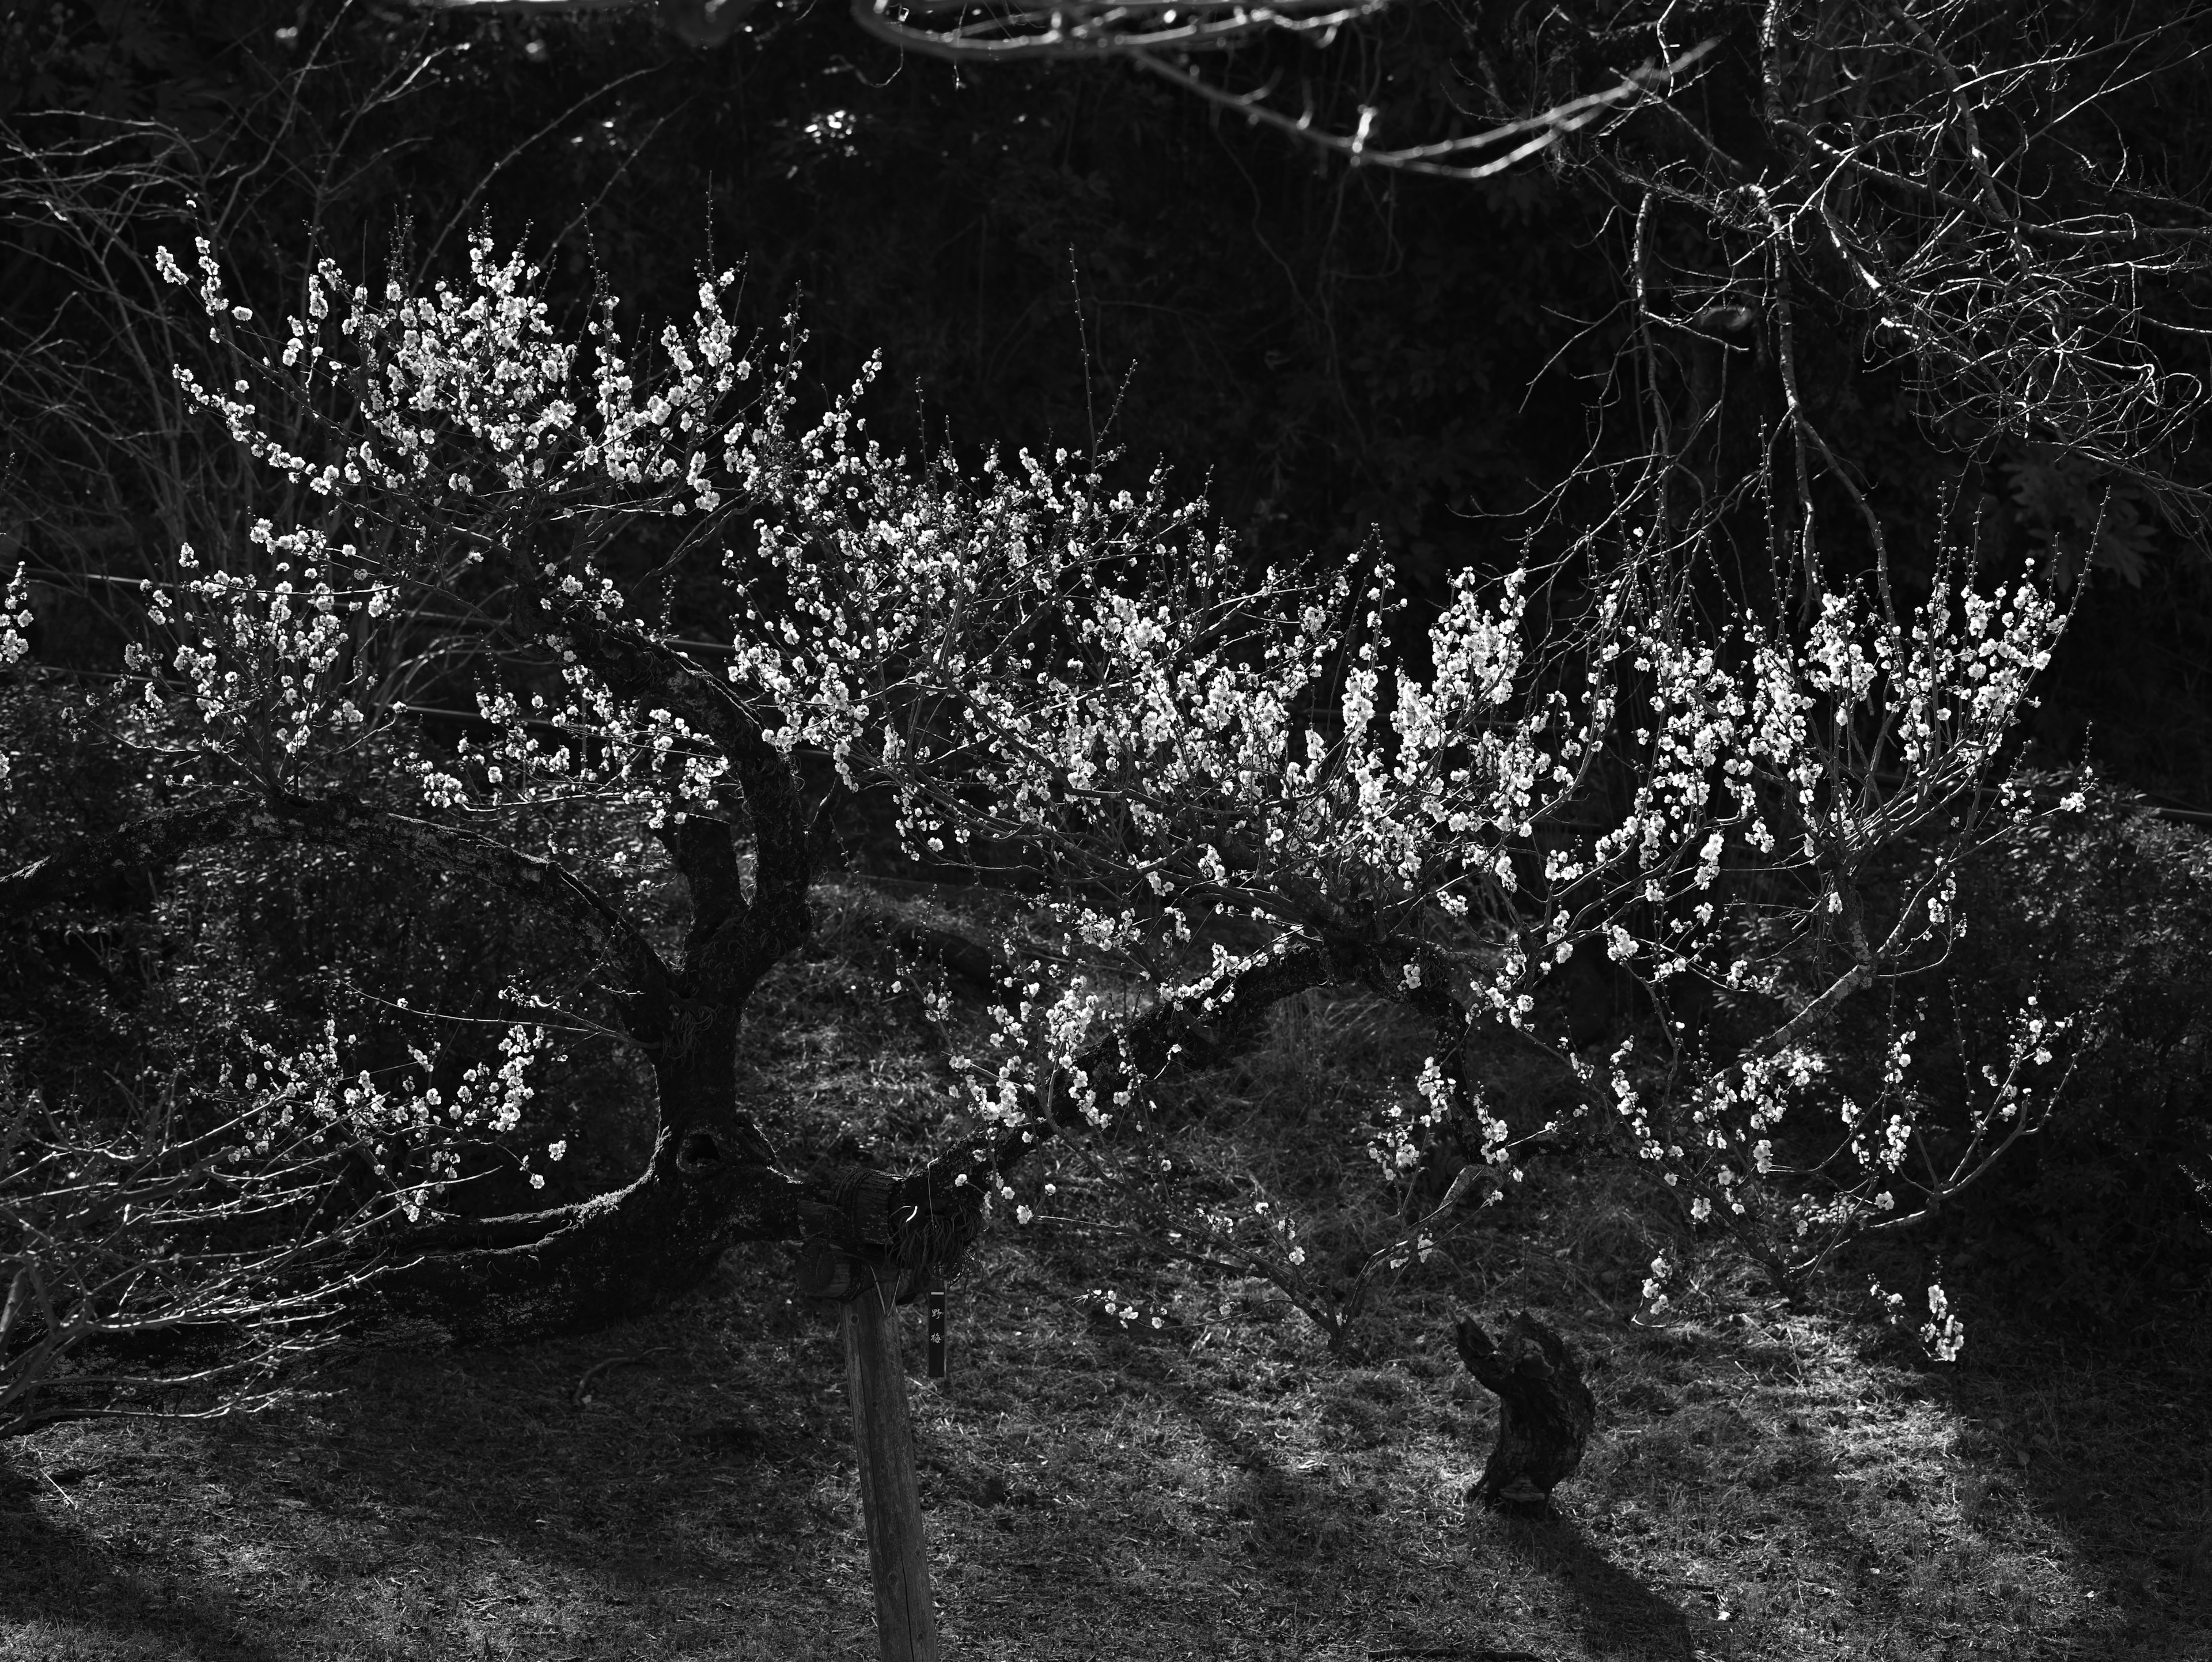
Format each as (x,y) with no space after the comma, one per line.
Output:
(2109,1438)
(2050,1497)
(451,1503)
(64,1579)
(1290,1520)
(693,1444)
(1616,1612)
(1296,1522)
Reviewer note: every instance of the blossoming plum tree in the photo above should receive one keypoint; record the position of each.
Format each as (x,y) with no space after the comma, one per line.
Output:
(1217,788)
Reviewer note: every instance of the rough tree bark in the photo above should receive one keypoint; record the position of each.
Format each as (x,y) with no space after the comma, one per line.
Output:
(1544,1411)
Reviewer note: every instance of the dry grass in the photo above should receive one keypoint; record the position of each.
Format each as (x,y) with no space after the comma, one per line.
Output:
(1766,1485)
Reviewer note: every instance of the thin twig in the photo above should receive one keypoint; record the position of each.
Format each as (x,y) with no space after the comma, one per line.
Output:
(583,1392)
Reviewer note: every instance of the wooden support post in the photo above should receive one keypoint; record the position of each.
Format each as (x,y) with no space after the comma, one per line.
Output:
(891,1499)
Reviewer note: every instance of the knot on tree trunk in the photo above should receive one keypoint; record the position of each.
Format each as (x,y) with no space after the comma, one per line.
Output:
(1544,1411)
(904,1234)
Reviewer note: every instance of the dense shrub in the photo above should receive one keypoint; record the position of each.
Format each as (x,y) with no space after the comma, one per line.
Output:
(2105,914)
(164,983)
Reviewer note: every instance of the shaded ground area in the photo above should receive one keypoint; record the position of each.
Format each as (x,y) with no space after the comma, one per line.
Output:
(1764,1484)
(1759,1491)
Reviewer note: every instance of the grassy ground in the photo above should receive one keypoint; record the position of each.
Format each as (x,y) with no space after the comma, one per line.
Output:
(1764,1484)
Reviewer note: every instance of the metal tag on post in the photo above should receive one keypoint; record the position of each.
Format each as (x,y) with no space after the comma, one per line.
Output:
(937,1332)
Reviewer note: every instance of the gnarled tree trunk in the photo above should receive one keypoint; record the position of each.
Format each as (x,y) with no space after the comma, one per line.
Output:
(714,1179)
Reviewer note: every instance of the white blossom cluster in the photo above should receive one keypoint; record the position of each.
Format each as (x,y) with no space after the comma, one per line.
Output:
(409,1133)
(267,667)
(1942,1336)
(466,389)
(1157,748)
(15,618)
(1404,1133)
(1077,683)
(465,397)
(1118,1307)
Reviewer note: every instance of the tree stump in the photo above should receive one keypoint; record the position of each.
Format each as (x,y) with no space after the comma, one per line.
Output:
(1544,1411)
